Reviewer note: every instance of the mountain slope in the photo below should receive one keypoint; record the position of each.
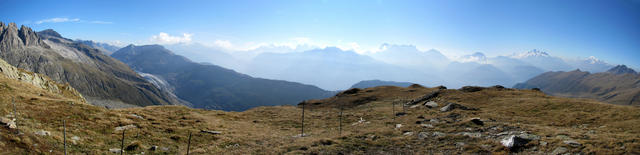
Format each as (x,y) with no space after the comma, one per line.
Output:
(552,125)
(214,87)
(100,78)
(610,87)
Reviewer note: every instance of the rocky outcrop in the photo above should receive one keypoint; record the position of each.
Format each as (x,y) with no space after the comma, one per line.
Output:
(38,80)
(97,76)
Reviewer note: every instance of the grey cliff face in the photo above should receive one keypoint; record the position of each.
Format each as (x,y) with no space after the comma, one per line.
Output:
(95,75)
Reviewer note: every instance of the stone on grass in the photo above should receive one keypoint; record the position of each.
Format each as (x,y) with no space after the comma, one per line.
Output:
(559,150)
(126,127)
(9,123)
(476,121)
(426,125)
(423,135)
(514,141)
(431,104)
(407,133)
(472,134)
(451,106)
(114,150)
(438,134)
(213,132)
(42,133)
(398,125)
(572,143)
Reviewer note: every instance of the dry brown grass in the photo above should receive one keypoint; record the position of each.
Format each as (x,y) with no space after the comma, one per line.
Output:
(601,128)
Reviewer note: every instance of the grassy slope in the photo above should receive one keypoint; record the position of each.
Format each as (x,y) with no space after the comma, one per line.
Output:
(270,130)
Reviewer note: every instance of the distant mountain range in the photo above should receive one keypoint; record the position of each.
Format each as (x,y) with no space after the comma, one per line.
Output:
(336,69)
(102,80)
(619,85)
(105,48)
(211,86)
(375,83)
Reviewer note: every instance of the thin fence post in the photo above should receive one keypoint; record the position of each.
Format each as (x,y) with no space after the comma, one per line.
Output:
(302,131)
(340,127)
(404,106)
(189,143)
(393,110)
(122,143)
(64,135)
(15,117)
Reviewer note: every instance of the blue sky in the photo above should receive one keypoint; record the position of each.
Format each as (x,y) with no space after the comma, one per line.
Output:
(607,29)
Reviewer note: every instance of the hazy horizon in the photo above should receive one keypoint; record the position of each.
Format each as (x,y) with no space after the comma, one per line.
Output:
(607,30)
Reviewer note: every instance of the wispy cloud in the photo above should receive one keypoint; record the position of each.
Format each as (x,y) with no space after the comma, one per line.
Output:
(100,22)
(75,20)
(164,38)
(58,20)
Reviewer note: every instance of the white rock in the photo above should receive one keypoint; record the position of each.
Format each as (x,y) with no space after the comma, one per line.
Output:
(427,125)
(114,150)
(431,104)
(408,133)
(126,127)
(42,133)
(398,126)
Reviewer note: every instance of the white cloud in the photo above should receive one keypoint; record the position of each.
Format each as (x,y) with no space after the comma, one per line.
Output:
(76,20)
(58,20)
(164,38)
(100,22)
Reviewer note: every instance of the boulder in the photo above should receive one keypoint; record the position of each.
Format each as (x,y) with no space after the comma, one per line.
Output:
(414,106)
(42,133)
(424,98)
(476,121)
(398,126)
(9,123)
(451,106)
(431,104)
(513,142)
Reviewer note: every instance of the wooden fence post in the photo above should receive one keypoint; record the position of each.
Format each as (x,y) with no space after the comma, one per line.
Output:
(15,116)
(64,135)
(340,127)
(189,143)
(122,143)
(302,131)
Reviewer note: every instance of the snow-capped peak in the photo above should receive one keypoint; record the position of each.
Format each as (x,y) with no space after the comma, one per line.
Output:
(593,60)
(532,53)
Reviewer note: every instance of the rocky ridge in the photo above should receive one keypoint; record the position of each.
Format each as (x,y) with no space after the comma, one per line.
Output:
(100,78)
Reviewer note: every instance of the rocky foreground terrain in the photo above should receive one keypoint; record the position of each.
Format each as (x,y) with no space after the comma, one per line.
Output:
(379,120)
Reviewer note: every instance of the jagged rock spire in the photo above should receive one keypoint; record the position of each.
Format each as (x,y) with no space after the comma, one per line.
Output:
(13,38)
